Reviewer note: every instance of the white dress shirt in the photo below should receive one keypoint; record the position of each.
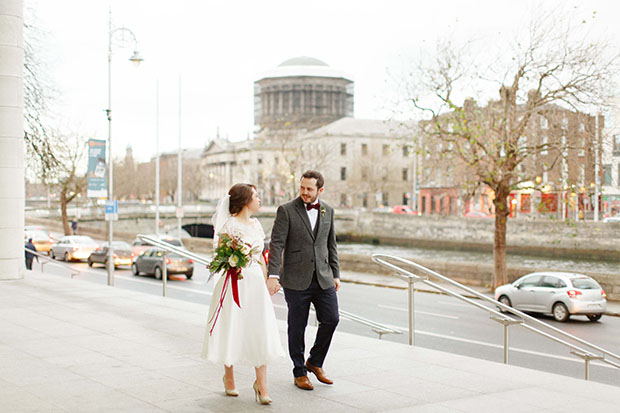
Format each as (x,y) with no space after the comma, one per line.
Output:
(313,214)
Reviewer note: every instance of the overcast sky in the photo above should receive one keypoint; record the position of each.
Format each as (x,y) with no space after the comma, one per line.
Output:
(219,48)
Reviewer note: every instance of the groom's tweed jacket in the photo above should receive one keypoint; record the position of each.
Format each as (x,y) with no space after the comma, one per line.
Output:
(296,251)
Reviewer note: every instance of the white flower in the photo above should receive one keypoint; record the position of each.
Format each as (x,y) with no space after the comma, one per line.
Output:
(245,250)
(233,260)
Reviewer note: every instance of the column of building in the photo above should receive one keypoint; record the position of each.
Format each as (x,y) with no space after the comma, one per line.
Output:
(11,140)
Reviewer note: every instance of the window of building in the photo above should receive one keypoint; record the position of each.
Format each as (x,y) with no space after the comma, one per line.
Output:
(582,127)
(386,149)
(616,141)
(544,141)
(607,174)
(618,177)
(259,160)
(343,173)
(406,150)
(565,123)
(276,160)
(365,200)
(423,205)
(405,174)
(544,123)
(582,174)
(405,198)
(545,177)
(364,149)
(384,198)
(343,200)
(343,149)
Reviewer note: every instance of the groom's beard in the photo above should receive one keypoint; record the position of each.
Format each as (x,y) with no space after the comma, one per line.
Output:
(309,200)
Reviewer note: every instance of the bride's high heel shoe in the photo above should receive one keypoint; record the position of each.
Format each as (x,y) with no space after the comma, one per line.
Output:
(260,399)
(233,392)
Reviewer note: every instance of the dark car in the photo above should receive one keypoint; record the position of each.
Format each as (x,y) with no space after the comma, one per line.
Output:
(122,254)
(151,262)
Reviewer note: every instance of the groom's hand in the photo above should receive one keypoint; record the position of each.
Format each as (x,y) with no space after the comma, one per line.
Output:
(273,285)
(337,284)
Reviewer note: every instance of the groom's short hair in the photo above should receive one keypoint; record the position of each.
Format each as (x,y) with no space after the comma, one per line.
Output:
(310,174)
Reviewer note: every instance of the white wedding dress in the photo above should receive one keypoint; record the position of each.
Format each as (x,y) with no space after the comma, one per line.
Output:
(247,335)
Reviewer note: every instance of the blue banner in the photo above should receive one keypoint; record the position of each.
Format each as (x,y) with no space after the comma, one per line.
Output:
(97,169)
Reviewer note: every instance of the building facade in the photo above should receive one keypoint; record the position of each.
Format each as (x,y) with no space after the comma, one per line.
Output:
(303,91)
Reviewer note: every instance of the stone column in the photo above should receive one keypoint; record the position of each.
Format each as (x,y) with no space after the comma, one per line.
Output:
(11,140)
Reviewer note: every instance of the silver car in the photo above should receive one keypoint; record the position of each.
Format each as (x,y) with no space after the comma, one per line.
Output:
(73,247)
(560,294)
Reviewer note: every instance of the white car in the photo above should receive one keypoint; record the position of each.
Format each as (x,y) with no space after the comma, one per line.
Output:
(73,247)
(560,294)
(612,219)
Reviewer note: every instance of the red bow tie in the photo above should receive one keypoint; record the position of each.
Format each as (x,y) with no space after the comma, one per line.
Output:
(311,206)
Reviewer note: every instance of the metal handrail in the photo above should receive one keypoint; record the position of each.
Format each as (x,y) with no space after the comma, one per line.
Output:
(499,317)
(74,272)
(378,328)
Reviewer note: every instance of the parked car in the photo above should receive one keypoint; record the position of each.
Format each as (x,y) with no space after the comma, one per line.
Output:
(51,235)
(382,209)
(560,294)
(612,219)
(138,246)
(404,209)
(73,247)
(41,239)
(122,254)
(151,262)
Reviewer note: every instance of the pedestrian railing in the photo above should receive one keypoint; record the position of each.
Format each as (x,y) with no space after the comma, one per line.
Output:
(49,260)
(589,353)
(378,328)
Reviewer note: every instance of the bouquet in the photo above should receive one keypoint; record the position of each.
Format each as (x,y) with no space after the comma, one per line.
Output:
(231,255)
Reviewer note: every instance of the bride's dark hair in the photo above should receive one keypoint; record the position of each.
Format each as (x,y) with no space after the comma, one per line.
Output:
(240,196)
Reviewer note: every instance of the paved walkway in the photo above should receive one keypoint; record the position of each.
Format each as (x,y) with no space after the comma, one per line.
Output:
(70,345)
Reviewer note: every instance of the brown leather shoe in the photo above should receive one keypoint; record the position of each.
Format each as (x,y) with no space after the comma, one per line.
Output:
(303,383)
(319,373)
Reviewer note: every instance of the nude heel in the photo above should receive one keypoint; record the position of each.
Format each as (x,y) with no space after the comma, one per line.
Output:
(231,393)
(260,399)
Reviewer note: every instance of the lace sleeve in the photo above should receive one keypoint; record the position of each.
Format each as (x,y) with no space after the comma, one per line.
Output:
(260,229)
(227,228)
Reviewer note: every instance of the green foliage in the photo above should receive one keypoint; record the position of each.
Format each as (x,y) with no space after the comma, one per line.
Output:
(231,252)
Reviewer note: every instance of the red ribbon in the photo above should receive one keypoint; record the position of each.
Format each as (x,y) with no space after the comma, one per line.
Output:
(232,275)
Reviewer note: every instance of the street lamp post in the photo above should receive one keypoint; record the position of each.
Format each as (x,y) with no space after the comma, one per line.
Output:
(136,59)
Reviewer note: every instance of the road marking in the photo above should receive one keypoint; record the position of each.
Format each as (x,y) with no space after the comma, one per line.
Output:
(389,307)
(498,346)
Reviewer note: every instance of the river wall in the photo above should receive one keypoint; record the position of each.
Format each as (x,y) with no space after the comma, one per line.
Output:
(584,240)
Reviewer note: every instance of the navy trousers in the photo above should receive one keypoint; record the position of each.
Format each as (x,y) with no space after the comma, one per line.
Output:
(326,305)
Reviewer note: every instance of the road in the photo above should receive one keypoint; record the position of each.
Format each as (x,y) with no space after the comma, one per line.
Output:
(442,323)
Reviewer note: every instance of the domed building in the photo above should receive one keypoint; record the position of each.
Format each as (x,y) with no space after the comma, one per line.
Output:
(302,92)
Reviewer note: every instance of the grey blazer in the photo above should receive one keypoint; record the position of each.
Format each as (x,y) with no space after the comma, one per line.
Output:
(295,252)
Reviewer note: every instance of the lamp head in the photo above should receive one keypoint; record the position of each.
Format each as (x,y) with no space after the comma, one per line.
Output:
(136,58)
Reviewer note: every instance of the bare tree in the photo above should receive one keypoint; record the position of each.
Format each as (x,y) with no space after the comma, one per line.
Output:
(194,180)
(555,67)
(41,158)
(71,177)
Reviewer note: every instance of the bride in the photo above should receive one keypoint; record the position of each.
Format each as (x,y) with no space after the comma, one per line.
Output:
(248,333)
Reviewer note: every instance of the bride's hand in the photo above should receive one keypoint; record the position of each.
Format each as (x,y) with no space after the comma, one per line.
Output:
(273,285)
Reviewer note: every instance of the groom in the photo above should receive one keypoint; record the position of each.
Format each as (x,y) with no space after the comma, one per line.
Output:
(304,260)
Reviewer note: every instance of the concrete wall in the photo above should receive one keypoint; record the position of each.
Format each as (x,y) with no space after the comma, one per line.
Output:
(11,140)
(589,240)
(471,273)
